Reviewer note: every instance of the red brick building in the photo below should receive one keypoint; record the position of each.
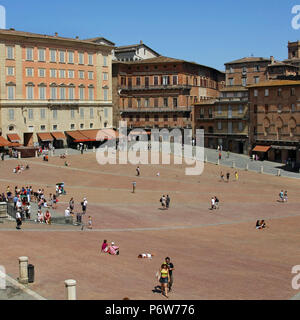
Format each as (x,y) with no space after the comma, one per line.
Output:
(275,120)
(160,92)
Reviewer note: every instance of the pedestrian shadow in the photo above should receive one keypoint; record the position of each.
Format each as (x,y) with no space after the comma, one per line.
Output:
(157,289)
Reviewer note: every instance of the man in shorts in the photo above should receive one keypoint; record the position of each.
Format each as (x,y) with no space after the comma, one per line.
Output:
(171,269)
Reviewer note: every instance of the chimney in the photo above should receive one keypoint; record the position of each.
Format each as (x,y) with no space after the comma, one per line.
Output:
(56,34)
(141,41)
(76,37)
(272,59)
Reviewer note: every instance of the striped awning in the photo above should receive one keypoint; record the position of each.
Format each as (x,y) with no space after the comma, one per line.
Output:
(45,136)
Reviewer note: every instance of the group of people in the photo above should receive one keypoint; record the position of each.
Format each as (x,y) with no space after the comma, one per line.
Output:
(111,249)
(283,196)
(43,218)
(214,203)
(165,276)
(19,168)
(165,201)
(236,176)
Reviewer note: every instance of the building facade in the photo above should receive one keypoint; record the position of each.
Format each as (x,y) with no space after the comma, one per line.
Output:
(160,92)
(51,84)
(275,120)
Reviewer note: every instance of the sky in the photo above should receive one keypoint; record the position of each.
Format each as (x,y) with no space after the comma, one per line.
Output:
(207,32)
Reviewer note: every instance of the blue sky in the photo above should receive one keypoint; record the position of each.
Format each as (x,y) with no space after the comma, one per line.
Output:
(208,32)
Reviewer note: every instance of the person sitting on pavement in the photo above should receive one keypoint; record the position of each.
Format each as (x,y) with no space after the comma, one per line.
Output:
(145,256)
(47,217)
(113,249)
(104,247)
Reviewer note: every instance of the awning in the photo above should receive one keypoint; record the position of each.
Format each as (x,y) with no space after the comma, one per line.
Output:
(13,137)
(14,144)
(77,136)
(58,135)
(261,148)
(111,133)
(45,136)
(4,142)
(89,134)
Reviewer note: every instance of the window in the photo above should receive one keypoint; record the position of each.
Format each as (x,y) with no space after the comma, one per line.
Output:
(62,93)
(266,108)
(175,80)
(54,114)
(42,92)
(105,76)
(174,117)
(137,80)
(62,56)
(42,73)
(81,125)
(255,93)
(81,74)
(165,102)
(231,81)
(90,58)
(71,57)
(91,113)
(175,102)
(30,114)
(292,91)
(43,127)
(10,71)
(293,108)
(244,82)
(166,117)
(72,113)
(42,55)
(29,54)
(91,93)
(10,52)
(62,73)
(81,111)
(29,92)
(11,114)
(42,114)
(105,112)
(91,125)
(129,102)
(266,92)
(279,108)
(72,126)
(71,93)
(147,117)
(240,126)
(138,103)
(256,79)
(11,128)
(219,109)
(156,117)
(80,58)
(53,93)
(105,93)
(52,73)
(70,74)
(219,125)
(155,80)
(52,55)
(105,61)
(147,104)
(231,70)
(54,127)
(244,69)
(255,108)
(90,75)
(81,93)
(241,109)
(279,92)
(29,72)
(256,68)
(165,80)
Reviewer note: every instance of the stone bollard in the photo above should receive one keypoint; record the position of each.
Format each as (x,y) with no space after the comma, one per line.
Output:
(23,270)
(278,172)
(261,169)
(36,154)
(233,164)
(94,149)
(70,289)
(247,167)
(19,155)
(218,162)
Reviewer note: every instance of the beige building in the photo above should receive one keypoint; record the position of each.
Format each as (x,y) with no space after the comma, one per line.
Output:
(51,86)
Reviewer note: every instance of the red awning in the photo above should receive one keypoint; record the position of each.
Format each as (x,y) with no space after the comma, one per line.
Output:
(58,135)
(4,142)
(45,136)
(13,137)
(261,148)
(77,136)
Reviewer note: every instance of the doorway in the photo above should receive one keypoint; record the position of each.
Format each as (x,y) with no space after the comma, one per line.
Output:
(28,139)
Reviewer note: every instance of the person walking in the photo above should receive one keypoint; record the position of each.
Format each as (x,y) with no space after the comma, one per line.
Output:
(18,220)
(220,155)
(227,176)
(171,269)
(71,205)
(168,201)
(163,201)
(84,205)
(222,176)
(213,203)
(236,176)
(216,203)
(281,195)
(285,196)
(138,171)
(133,186)
(164,279)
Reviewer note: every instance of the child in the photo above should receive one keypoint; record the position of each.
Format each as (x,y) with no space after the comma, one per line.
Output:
(90,223)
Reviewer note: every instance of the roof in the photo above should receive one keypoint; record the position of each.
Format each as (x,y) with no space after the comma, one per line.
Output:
(99,39)
(281,64)
(163,59)
(28,35)
(134,47)
(274,83)
(233,88)
(249,59)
